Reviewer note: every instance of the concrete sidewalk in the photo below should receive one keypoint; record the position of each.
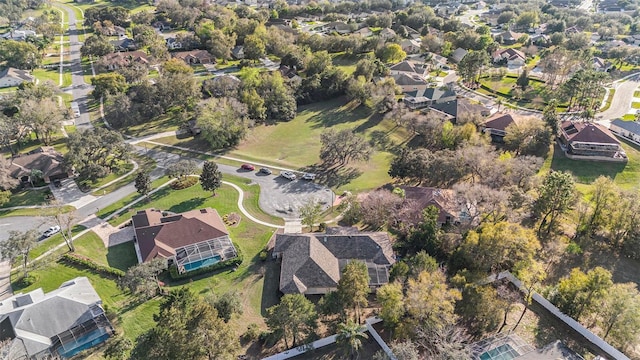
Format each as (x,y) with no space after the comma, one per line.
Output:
(5,280)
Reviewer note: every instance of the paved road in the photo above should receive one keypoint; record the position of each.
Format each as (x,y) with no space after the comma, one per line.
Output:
(22,223)
(467,17)
(79,89)
(621,102)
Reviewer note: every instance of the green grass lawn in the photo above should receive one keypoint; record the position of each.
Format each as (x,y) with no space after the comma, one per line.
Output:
(535,96)
(635,105)
(125,168)
(627,176)
(628,117)
(607,103)
(144,164)
(28,197)
(636,93)
(166,122)
(50,243)
(296,144)
(121,256)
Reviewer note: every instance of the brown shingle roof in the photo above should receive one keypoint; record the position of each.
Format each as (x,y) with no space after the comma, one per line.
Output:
(586,132)
(443,199)
(315,260)
(158,235)
(500,121)
(49,161)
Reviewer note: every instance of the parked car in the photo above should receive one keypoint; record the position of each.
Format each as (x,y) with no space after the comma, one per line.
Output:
(51,231)
(288,175)
(265,171)
(309,176)
(248,167)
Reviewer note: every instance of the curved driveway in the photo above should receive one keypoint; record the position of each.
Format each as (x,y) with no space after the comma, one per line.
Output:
(621,102)
(278,196)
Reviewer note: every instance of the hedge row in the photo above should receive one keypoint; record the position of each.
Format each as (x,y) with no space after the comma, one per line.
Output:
(84,262)
(173,269)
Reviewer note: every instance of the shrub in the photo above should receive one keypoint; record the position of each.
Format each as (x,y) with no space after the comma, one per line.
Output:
(263,255)
(28,280)
(252,333)
(86,263)
(175,275)
(184,183)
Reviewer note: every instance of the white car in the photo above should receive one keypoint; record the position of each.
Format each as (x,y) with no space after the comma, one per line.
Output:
(288,175)
(51,231)
(309,176)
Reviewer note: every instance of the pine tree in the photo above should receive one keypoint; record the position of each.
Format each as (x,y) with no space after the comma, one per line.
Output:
(211,177)
(523,80)
(143,183)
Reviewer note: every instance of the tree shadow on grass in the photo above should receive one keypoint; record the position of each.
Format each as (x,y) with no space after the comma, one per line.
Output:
(122,256)
(339,115)
(335,176)
(270,289)
(584,171)
(187,205)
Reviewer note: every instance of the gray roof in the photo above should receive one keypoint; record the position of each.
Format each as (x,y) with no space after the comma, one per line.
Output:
(458,54)
(436,94)
(404,79)
(631,126)
(316,260)
(36,317)
(16,73)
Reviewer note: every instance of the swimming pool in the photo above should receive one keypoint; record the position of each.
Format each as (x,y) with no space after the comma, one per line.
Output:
(502,352)
(202,263)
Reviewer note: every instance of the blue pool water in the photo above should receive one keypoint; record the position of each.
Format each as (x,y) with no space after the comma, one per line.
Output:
(202,263)
(92,339)
(502,352)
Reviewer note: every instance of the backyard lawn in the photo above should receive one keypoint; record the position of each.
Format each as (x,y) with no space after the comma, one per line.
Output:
(536,96)
(28,197)
(627,176)
(121,256)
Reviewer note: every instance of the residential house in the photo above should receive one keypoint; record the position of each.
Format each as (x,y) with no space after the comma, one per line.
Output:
(173,43)
(311,264)
(161,26)
(60,323)
(238,52)
(124,44)
(190,240)
(13,77)
(439,62)
(410,83)
(572,30)
(45,159)
(410,32)
(585,140)
(511,57)
(510,37)
(600,64)
(450,208)
(18,35)
(288,72)
(364,32)
(116,31)
(429,97)
(387,34)
(409,68)
(459,107)
(194,57)
(629,130)
(458,54)
(118,60)
(337,26)
(410,46)
(496,125)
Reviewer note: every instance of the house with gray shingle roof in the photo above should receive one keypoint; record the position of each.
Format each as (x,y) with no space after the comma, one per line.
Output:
(13,77)
(62,322)
(629,130)
(311,264)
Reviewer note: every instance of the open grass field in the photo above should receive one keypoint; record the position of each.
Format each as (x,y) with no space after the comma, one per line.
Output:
(296,144)
(535,96)
(627,176)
